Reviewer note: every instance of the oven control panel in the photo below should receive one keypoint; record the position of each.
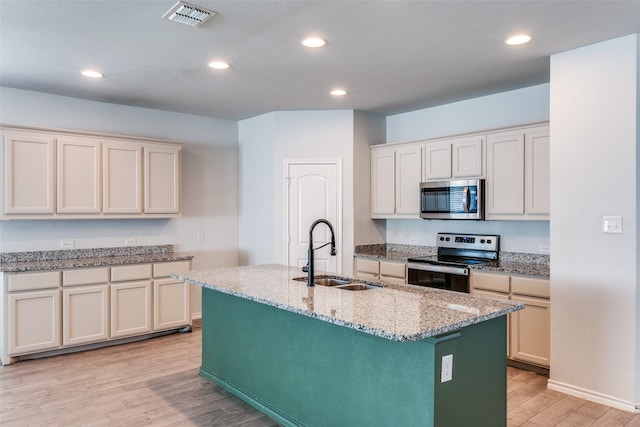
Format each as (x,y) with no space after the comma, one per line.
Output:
(482,242)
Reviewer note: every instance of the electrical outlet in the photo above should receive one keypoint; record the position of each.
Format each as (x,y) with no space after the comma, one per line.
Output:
(543,249)
(131,241)
(447,368)
(413,241)
(612,224)
(67,244)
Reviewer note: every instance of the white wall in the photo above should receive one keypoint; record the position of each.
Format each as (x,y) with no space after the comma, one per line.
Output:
(594,172)
(299,135)
(256,142)
(512,108)
(209,172)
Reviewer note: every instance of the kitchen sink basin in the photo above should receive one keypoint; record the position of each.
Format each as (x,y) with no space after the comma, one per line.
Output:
(338,283)
(356,287)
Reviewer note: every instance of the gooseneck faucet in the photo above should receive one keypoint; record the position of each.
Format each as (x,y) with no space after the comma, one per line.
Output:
(311,248)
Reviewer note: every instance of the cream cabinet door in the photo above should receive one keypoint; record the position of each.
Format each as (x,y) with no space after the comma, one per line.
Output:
(161,179)
(29,173)
(79,175)
(33,321)
(408,176)
(171,304)
(131,307)
(466,157)
(383,182)
(505,173)
(393,272)
(530,331)
(122,178)
(537,172)
(85,314)
(437,160)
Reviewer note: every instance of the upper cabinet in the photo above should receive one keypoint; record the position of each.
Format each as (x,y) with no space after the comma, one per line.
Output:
(514,162)
(79,176)
(29,173)
(56,175)
(122,178)
(454,158)
(395,181)
(161,179)
(517,184)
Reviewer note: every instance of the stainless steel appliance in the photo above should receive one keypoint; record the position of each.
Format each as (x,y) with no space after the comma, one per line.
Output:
(449,269)
(456,199)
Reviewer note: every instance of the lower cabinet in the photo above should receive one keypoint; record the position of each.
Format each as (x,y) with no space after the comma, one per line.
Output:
(130,308)
(54,310)
(35,321)
(85,314)
(172,304)
(528,329)
(386,271)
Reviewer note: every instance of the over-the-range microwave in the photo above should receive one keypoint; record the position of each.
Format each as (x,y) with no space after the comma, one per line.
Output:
(452,199)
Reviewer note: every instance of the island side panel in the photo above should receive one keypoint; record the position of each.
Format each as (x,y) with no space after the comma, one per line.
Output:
(304,371)
(477,393)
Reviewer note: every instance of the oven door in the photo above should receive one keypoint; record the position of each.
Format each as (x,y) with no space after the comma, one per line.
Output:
(439,276)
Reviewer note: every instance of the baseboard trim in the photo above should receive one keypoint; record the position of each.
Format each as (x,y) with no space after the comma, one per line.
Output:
(593,396)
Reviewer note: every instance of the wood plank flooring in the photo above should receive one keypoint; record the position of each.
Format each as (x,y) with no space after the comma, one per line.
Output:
(156,382)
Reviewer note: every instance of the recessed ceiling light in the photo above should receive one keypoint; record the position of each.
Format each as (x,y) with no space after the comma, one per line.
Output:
(92,73)
(338,92)
(218,65)
(518,39)
(313,42)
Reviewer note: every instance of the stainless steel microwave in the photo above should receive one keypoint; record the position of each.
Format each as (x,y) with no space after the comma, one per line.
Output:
(454,199)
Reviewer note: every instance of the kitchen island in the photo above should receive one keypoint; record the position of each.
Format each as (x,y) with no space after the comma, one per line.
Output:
(392,355)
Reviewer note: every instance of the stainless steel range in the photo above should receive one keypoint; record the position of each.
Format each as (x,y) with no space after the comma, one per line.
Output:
(449,269)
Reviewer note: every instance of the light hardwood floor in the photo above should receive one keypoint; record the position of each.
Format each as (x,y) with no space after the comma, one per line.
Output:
(156,382)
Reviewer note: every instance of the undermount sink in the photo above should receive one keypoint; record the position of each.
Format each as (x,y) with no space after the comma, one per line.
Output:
(338,283)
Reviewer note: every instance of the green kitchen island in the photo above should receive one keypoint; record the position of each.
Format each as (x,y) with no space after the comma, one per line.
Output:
(398,355)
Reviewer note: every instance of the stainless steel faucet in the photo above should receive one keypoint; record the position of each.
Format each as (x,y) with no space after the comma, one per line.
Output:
(311,248)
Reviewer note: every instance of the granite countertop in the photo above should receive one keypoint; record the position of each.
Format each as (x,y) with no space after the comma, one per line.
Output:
(396,312)
(15,262)
(509,262)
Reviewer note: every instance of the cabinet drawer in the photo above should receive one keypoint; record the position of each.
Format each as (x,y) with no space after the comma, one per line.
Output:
(533,287)
(85,276)
(166,268)
(367,266)
(31,281)
(130,272)
(490,282)
(393,269)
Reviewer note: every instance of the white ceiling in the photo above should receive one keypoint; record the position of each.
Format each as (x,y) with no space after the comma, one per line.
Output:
(392,56)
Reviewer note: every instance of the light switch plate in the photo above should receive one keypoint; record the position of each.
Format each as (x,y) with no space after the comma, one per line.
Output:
(612,224)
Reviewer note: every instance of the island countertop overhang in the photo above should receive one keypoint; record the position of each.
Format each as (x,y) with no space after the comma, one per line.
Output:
(402,313)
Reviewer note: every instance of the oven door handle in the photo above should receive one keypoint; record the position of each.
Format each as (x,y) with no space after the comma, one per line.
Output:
(460,271)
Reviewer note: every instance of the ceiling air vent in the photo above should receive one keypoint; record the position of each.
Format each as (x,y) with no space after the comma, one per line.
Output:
(188,14)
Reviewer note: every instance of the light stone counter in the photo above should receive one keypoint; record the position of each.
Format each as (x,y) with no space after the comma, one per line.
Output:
(395,312)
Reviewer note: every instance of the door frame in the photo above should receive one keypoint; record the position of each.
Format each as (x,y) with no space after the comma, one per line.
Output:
(337,227)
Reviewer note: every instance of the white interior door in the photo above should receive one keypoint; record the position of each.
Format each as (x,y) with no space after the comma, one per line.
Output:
(314,193)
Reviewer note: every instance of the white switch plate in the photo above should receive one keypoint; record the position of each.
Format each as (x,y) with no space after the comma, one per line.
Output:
(447,368)
(612,224)
(200,236)
(67,244)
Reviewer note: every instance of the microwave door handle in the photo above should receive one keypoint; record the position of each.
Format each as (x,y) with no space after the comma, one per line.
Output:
(465,199)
